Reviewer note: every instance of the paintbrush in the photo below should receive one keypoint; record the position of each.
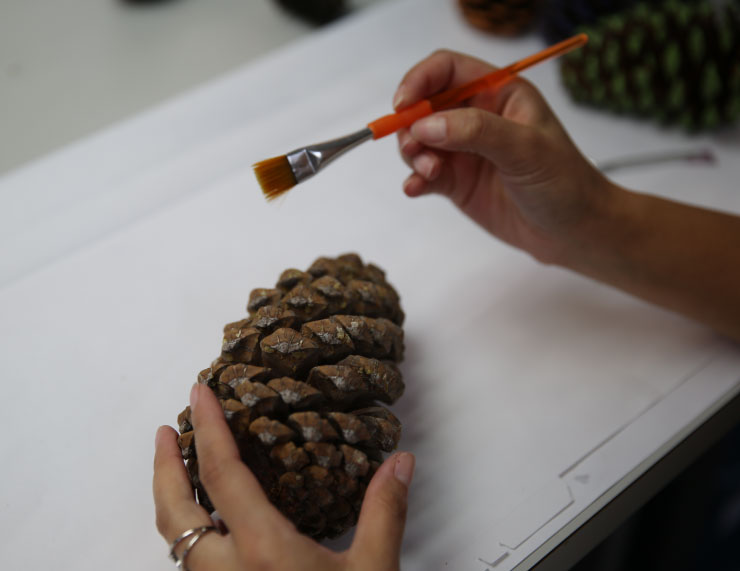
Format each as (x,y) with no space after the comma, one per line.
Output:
(279,174)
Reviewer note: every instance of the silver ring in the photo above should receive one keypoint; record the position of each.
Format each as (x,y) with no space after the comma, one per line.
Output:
(195,533)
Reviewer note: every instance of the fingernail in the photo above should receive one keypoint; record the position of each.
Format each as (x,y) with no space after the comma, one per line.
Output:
(425,166)
(398,98)
(430,130)
(404,468)
(194,396)
(405,143)
(407,185)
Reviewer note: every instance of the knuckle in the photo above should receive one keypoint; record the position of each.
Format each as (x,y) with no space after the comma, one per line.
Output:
(393,501)
(212,473)
(474,126)
(437,66)
(263,552)
(440,53)
(163,522)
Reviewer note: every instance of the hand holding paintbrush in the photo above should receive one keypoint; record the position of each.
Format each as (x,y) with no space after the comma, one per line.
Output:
(507,162)
(279,174)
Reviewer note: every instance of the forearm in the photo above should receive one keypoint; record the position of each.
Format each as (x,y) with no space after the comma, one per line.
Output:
(683,258)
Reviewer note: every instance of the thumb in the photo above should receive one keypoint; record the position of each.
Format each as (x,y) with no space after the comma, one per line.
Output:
(377,542)
(475,130)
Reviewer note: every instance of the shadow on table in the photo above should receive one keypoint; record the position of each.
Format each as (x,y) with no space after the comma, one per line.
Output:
(692,524)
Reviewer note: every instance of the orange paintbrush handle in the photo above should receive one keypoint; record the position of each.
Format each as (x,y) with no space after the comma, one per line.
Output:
(446,99)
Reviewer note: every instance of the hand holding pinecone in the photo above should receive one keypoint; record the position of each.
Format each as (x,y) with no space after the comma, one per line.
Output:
(299,380)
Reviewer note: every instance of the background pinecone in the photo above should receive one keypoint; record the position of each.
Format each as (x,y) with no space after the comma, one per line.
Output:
(502,17)
(564,18)
(315,11)
(678,63)
(298,381)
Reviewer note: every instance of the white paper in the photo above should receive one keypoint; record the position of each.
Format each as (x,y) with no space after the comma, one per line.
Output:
(114,301)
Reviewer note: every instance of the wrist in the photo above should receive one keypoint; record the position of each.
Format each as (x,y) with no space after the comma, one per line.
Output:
(609,233)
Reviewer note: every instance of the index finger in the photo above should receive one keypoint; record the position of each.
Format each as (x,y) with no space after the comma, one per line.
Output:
(231,486)
(441,70)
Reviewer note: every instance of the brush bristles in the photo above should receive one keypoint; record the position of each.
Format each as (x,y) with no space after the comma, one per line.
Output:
(275,176)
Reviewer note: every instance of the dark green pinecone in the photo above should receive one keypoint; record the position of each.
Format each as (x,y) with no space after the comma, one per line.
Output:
(678,64)
(300,379)
(564,18)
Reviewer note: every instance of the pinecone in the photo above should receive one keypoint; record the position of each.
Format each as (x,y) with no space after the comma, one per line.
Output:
(679,64)
(298,381)
(317,12)
(564,18)
(502,17)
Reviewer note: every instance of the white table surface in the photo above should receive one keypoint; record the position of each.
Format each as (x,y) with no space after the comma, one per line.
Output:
(532,394)
(71,67)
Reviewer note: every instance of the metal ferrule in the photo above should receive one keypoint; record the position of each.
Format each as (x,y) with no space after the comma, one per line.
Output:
(307,161)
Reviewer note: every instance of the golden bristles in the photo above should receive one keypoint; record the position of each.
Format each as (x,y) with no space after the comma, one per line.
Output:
(275,176)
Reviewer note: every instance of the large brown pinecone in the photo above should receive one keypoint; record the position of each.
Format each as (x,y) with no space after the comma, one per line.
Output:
(299,379)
